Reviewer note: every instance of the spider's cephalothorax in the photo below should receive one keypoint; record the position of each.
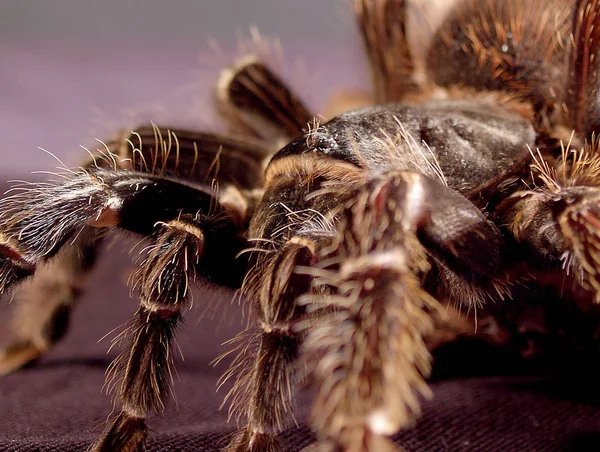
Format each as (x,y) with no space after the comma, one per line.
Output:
(453,184)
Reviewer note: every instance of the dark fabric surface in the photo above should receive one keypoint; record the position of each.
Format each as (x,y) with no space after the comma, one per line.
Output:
(58,405)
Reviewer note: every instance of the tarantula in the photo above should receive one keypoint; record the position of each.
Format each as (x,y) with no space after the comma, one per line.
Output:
(468,176)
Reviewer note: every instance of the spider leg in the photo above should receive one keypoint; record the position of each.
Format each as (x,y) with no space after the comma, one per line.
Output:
(264,394)
(383,27)
(144,367)
(559,222)
(44,302)
(581,101)
(255,101)
(290,229)
(253,98)
(186,154)
(38,220)
(513,46)
(372,359)
(189,228)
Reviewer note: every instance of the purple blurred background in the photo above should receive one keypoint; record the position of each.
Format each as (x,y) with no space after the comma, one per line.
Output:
(74,71)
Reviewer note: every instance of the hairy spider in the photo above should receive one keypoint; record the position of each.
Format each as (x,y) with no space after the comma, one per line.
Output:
(466,174)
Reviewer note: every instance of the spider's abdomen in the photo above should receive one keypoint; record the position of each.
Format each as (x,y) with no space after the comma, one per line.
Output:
(466,143)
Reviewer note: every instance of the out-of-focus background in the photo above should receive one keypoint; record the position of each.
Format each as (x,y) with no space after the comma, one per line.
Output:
(72,71)
(191,19)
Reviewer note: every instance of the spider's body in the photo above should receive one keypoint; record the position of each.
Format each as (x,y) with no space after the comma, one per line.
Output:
(355,231)
(471,141)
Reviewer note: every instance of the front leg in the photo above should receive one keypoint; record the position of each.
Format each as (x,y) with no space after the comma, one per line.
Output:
(372,358)
(264,388)
(558,224)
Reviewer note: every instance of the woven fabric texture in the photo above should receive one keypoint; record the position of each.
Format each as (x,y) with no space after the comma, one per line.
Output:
(59,405)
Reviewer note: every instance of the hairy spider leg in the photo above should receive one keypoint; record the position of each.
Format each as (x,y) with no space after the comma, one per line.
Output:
(251,97)
(372,358)
(45,301)
(265,384)
(383,28)
(559,221)
(200,157)
(383,25)
(143,371)
(289,227)
(255,101)
(192,233)
(581,100)
(518,47)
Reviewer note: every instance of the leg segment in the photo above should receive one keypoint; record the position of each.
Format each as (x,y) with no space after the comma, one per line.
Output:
(581,100)
(372,359)
(515,46)
(264,395)
(288,229)
(255,101)
(37,222)
(383,27)
(559,223)
(144,366)
(196,156)
(44,303)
